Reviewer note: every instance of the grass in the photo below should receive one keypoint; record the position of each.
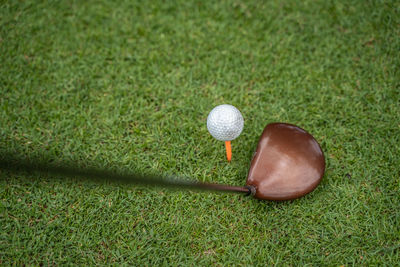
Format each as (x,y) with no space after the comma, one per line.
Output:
(128,85)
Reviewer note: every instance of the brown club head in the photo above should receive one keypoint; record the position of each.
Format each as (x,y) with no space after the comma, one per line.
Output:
(287,164)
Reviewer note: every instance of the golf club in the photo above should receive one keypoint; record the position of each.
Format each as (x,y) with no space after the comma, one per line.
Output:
(287,164)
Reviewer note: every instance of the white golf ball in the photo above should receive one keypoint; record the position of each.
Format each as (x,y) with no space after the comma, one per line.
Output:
(225,122)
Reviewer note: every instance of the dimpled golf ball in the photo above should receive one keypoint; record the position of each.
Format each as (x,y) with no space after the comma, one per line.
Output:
(225,122)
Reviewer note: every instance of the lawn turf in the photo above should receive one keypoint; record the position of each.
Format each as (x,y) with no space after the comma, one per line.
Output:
(128,85)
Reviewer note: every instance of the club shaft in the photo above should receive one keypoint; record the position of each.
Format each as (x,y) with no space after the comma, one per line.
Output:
(66,170)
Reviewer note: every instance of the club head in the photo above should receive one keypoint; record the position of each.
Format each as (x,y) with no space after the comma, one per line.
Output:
(287,164)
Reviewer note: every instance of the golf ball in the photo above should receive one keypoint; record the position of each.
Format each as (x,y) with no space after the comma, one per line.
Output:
(225,122)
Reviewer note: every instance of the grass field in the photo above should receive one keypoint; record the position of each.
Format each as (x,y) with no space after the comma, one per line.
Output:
(128,85)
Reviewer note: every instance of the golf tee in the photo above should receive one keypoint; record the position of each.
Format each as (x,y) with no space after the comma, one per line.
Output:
(228,150)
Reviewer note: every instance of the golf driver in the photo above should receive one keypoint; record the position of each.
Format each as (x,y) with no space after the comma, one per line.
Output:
(287,164)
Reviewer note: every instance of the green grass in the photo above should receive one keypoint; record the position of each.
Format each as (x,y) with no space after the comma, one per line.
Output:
(128,85)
